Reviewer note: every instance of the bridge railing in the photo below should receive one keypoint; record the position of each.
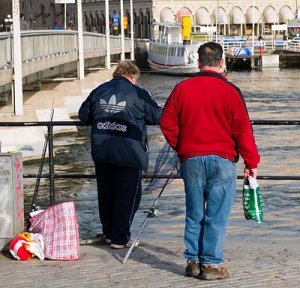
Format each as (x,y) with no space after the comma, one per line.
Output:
(294,46)
(5,55)
(39,44)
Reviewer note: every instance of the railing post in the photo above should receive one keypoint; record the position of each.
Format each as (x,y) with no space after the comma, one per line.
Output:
(17,60)
(80,69)
(51,163)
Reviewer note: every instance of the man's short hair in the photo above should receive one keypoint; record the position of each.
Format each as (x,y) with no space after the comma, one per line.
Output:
(210,54)
(22,15)
(126,68)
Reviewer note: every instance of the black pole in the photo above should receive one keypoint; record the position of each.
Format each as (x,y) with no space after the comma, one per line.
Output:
(51,164)
(39,176)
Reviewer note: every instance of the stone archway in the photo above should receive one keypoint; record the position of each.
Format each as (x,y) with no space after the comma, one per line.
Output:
(166,15)
(87,23)
(285,13)
(253,18)
(220,19)
(183,12)
(202,17)
(140,20)
(237,21)
(147,24)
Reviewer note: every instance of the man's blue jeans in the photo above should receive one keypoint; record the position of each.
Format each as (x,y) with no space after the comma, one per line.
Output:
(210,184)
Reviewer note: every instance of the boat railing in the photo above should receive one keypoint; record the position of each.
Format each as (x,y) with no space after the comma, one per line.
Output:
(51,163)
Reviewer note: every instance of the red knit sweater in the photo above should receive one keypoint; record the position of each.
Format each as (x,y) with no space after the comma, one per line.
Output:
(207,115)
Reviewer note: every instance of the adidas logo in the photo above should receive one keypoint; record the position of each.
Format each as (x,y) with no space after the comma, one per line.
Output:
(112,106)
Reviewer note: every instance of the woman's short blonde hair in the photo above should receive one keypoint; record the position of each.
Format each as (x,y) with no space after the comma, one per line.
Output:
(126,68)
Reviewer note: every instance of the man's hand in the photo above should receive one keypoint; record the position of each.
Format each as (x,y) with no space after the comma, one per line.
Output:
(250,172)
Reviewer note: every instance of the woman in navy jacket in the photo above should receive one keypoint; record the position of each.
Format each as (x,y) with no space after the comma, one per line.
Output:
(119,111)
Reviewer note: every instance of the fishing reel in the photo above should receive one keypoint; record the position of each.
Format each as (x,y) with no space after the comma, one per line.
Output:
(152,213)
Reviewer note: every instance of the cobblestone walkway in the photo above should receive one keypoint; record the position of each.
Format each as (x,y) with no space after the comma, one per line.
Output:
(257,255)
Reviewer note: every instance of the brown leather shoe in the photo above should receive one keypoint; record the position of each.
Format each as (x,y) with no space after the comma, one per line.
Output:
(192,268)
(210,272)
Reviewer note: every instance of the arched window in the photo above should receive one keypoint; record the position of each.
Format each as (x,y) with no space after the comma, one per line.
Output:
(87,23)
(271,16)
(285,13)
(97,17)
(202,17)
(92,22)
(140,24)
(220,16)
(52,11)
(251,13)
(102,23)
(166,15)
(135,24)
(237,16)
(127,31)
(147,24)
(183,12)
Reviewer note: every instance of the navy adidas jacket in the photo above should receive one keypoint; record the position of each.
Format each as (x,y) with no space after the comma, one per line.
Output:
(119,111)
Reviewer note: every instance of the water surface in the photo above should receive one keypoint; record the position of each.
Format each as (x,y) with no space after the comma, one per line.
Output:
(271,94)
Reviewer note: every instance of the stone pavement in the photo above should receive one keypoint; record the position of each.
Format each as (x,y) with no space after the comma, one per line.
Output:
(257,255)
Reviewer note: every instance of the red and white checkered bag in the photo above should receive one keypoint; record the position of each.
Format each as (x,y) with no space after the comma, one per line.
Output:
(59,227)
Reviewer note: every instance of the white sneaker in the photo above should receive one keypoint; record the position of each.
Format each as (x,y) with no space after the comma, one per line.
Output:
(122,246)
(107,241)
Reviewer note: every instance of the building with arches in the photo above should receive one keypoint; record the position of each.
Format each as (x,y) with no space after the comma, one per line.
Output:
(234,17)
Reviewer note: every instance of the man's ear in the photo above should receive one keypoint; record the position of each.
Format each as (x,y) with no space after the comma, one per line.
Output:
(222,62)
(199,64)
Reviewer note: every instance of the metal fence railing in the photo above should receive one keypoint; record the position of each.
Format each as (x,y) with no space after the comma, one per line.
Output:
(51,175)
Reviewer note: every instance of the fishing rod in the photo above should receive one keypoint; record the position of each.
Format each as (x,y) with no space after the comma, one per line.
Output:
(151,213)
(244,44)
(39,176)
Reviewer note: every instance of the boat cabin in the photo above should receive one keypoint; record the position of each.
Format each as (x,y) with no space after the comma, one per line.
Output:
(167,33)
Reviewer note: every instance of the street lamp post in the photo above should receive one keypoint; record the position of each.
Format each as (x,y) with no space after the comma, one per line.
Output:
(217,20)
(122,31)
(107,35)
(17,60)
(131,30)
(80,40)
(253,25)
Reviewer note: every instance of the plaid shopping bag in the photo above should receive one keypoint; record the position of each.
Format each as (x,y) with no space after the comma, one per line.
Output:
(252,202)
(59,227)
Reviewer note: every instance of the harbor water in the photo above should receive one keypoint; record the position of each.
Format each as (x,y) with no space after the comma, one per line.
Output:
(270,94)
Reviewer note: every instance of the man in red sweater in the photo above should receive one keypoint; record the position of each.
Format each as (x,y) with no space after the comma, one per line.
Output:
(206,121)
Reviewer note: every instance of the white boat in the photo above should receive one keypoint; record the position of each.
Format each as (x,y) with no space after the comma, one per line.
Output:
(168,53)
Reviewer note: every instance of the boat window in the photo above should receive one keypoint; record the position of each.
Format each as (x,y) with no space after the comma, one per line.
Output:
(173,51)
(164,51)
(181,52)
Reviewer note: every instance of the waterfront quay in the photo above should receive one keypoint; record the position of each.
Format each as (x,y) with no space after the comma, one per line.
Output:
(257,255)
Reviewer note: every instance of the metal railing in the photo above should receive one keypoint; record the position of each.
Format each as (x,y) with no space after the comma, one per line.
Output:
(52,175)
(267,45)
(40,46)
